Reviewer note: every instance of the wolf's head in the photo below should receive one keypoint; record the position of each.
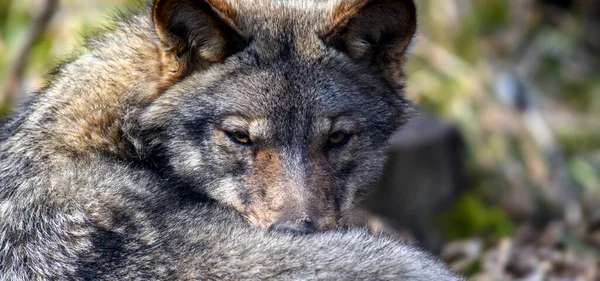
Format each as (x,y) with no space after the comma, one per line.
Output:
(280,109)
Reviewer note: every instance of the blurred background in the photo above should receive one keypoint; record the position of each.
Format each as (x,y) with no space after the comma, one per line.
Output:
(499,175)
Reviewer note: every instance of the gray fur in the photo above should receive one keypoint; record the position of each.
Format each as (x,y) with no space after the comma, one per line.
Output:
(115,173)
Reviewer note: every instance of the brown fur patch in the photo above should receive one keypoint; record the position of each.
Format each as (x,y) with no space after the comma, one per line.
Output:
(269,181)
(92,120)
(342,13)
(276,196)
(226,12)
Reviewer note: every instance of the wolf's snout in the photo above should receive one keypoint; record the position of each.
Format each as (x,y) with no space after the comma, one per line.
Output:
(294,225)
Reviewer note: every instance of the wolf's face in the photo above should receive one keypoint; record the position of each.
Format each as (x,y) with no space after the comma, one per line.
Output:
(291,121)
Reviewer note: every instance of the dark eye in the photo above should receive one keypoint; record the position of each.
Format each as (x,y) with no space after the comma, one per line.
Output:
(240,138)
(338,139)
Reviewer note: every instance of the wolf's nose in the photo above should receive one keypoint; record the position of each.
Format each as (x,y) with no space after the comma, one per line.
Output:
(294,225)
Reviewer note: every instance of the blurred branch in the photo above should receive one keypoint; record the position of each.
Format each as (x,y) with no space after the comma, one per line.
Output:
(41,18)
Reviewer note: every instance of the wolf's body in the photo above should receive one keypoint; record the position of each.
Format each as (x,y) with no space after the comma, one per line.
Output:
(131,164)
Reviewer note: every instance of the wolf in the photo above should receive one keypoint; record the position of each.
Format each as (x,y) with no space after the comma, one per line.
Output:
(212,139)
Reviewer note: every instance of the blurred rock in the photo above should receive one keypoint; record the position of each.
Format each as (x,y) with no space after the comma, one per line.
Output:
(551,235)
(523,264)
(423,175)
(593,233)
(461,254)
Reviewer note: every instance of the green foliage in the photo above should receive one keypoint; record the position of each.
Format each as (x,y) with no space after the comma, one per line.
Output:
(586,175)
(473,268)
(469,216)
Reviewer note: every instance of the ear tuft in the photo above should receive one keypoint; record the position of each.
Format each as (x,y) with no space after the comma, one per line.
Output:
(376,32)
(193,34)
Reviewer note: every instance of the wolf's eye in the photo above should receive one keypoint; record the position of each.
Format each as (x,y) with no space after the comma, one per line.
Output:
(338,138)
(239,137)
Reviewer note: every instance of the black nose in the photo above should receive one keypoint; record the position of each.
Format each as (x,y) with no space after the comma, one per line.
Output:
(294,225)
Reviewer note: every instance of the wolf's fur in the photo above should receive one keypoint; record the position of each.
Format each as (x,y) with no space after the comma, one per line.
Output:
(125,167)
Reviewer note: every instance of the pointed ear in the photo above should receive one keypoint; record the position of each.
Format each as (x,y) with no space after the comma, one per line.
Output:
(195,33)
(377,32)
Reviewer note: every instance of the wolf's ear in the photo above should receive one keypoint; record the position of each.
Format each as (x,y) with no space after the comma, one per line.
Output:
(377,32)
(192,32)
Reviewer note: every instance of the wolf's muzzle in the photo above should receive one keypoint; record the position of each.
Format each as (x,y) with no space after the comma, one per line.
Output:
(294,225)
